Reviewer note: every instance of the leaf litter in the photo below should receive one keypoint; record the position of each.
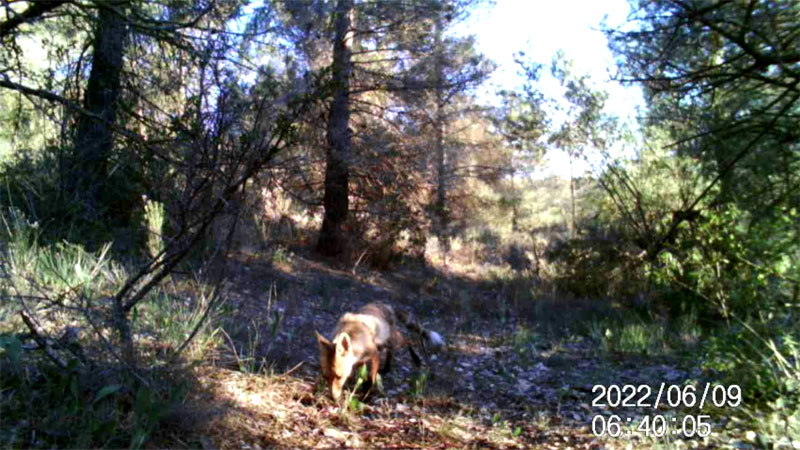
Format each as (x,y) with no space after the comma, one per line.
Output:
(482,391)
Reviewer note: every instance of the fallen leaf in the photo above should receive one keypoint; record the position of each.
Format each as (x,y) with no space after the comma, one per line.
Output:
(336,434)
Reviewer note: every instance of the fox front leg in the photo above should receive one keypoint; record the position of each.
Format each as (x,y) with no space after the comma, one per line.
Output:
(374,366)
(375,363)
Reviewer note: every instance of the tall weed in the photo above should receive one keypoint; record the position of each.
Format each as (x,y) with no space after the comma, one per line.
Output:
(63,382)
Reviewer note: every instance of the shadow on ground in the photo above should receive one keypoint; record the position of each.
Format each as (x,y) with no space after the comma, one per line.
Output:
(509,377)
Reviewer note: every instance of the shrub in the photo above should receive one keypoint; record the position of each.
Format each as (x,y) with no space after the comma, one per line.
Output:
(64,381)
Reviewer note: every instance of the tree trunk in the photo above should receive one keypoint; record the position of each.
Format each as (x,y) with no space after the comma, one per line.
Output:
(88,172)
(439,147)
(515,201)
(573,221)
(335,200)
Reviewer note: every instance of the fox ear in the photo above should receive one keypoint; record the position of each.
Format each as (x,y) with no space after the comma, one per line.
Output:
(322,340)
(344,344)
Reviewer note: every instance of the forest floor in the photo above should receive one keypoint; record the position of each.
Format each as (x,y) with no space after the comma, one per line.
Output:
(509,377)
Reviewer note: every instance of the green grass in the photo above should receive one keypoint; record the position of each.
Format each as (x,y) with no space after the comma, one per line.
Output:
(154,216)
(77,393)
(629,333)
(760,357)
(167,319)
(46,406)
(524,342)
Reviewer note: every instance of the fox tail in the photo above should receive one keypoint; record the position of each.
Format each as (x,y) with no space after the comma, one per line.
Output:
(426,338)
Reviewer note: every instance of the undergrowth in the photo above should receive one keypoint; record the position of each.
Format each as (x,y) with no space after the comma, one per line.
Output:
(63,382)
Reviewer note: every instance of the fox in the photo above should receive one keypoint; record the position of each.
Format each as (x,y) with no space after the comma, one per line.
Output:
(361,338)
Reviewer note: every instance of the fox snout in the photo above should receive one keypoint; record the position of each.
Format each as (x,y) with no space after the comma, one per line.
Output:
(336,361)
(336,387)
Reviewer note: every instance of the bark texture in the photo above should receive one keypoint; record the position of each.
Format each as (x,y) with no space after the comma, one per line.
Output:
(337,171)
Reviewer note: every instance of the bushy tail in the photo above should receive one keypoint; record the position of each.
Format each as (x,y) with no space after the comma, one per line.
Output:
(426,338)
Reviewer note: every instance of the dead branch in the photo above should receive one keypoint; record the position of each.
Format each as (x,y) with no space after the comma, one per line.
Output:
(41,341)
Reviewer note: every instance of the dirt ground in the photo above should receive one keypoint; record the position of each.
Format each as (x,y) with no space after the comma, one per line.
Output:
(509,377)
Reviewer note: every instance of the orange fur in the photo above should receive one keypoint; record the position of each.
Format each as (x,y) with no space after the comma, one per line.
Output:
(357,339)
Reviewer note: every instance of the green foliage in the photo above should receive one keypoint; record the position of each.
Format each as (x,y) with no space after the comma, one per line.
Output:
(637,197)
(635,338)
(33,185)
(250,358)
(735,264)
(638,338)
(282,255)
(630,332)
(524,342)
(165,321)
(777,428)
(12,349)
(63,272)
(46,406)
(82,281)
(696,70)
(761,357)
(522,119)
(154,216)
(419,383)
(149,410)
(87,403)
(762,360)
(60,402)
(586,124)
(595,267)
(353,403)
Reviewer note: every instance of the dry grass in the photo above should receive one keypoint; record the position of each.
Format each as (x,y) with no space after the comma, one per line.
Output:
(261,411)
(496,385)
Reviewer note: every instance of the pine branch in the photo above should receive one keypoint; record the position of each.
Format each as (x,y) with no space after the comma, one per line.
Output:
(35,11)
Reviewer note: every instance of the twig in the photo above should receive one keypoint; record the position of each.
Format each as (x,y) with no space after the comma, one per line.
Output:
(286,374)
(41,341)
(355,266)
(764,269)
(212,303)
(34,11)
(110,348)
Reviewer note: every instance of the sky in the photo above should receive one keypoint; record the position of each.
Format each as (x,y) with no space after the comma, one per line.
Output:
(542,27)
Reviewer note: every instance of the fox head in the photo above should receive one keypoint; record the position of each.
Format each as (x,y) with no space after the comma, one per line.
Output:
(337,360)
